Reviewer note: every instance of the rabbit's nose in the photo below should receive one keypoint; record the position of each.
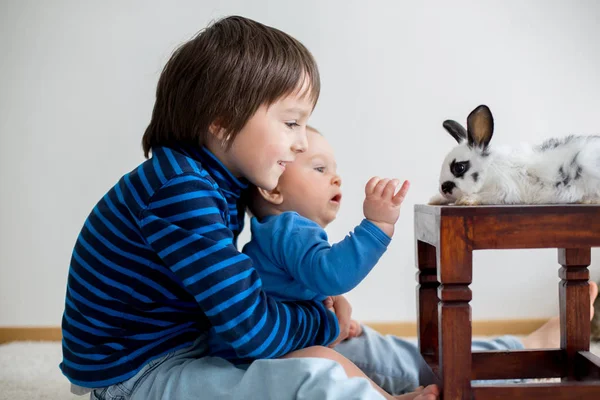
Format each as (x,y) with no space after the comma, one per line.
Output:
(448,186)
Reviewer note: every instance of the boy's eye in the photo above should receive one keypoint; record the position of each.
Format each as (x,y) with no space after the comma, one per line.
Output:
(292,125)
(320,169)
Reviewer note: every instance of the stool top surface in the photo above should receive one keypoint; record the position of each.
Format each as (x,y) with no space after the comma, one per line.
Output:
(545,209)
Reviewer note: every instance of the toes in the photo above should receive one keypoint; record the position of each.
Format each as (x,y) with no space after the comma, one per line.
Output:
(593,295)
(426,397)
(593,290)
(432,389)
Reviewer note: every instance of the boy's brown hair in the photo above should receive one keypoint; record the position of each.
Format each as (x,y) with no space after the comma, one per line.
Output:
(223,75)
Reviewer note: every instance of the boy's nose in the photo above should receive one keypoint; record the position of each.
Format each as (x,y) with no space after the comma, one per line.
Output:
(301,144)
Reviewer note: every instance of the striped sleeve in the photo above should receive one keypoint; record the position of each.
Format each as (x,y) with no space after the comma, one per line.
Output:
(185,224)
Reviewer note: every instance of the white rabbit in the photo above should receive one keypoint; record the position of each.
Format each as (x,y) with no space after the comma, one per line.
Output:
(563,170)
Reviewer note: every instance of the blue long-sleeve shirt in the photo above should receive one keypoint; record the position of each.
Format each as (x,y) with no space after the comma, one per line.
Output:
(295,261)
(156,265)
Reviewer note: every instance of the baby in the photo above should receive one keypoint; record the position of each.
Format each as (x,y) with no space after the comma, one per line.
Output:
(289,246)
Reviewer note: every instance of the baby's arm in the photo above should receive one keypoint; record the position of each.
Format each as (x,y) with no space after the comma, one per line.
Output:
(302,249)
(301,246)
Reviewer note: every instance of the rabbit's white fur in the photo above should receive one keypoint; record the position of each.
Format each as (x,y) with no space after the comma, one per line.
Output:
(565,170)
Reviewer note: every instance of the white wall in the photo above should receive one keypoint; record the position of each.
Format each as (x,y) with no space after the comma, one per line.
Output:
(77,83)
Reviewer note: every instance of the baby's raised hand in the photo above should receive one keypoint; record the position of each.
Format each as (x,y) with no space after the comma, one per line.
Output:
(382,203)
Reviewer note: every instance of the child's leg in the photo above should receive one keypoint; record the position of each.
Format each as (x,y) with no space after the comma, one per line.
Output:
(397,366)
(548,336)
(354,372)
(188,374)
(392,363)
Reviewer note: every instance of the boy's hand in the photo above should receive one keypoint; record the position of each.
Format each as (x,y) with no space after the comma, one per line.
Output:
(355,329)
(343,310)
(381,205)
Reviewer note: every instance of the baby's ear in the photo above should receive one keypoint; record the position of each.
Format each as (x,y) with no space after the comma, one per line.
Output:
(272,196)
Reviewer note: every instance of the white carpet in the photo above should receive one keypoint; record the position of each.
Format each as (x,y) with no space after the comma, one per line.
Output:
(29,370)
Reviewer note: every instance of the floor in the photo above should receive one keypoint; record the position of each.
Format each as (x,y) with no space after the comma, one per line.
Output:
(29,370)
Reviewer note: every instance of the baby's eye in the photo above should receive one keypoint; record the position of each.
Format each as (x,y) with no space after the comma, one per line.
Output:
(320,169)
(292,124)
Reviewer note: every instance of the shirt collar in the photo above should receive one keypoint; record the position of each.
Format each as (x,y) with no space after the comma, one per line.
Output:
(221,175)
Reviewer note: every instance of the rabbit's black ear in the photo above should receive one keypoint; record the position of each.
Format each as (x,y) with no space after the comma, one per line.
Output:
(458,132)
(480,127)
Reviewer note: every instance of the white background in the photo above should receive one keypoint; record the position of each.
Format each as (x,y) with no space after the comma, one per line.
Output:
(77,82)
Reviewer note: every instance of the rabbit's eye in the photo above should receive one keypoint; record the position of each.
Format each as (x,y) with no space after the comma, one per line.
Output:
(458,169)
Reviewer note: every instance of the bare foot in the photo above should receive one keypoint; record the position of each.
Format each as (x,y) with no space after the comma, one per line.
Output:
(431,392)
(548,336)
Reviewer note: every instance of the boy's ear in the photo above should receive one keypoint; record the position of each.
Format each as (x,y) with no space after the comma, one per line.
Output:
(272,196)
(216,129)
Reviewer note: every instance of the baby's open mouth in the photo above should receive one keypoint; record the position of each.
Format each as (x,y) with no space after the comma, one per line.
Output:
(337,198)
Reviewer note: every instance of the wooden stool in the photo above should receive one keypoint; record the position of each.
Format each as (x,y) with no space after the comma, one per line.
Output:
(446,237)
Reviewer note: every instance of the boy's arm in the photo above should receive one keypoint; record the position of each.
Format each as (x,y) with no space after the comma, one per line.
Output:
(184,225)
(301,247)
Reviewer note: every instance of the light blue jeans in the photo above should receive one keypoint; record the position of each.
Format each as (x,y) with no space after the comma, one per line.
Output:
(393,363)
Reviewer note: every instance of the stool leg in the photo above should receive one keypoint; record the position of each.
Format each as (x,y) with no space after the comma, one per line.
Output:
(427,300)
(574,298)
(454,274)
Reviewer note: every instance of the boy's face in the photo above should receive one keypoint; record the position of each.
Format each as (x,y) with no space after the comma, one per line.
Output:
(311,186)
(270,140)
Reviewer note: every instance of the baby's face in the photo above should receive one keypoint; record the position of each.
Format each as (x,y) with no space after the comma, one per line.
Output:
(310,185)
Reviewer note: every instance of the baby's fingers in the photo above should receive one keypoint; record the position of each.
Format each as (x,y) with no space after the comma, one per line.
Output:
(380,186)
(371,185)
(399,197)
(390,189)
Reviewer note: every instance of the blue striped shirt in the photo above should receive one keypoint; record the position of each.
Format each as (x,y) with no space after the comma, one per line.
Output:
(156,264)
